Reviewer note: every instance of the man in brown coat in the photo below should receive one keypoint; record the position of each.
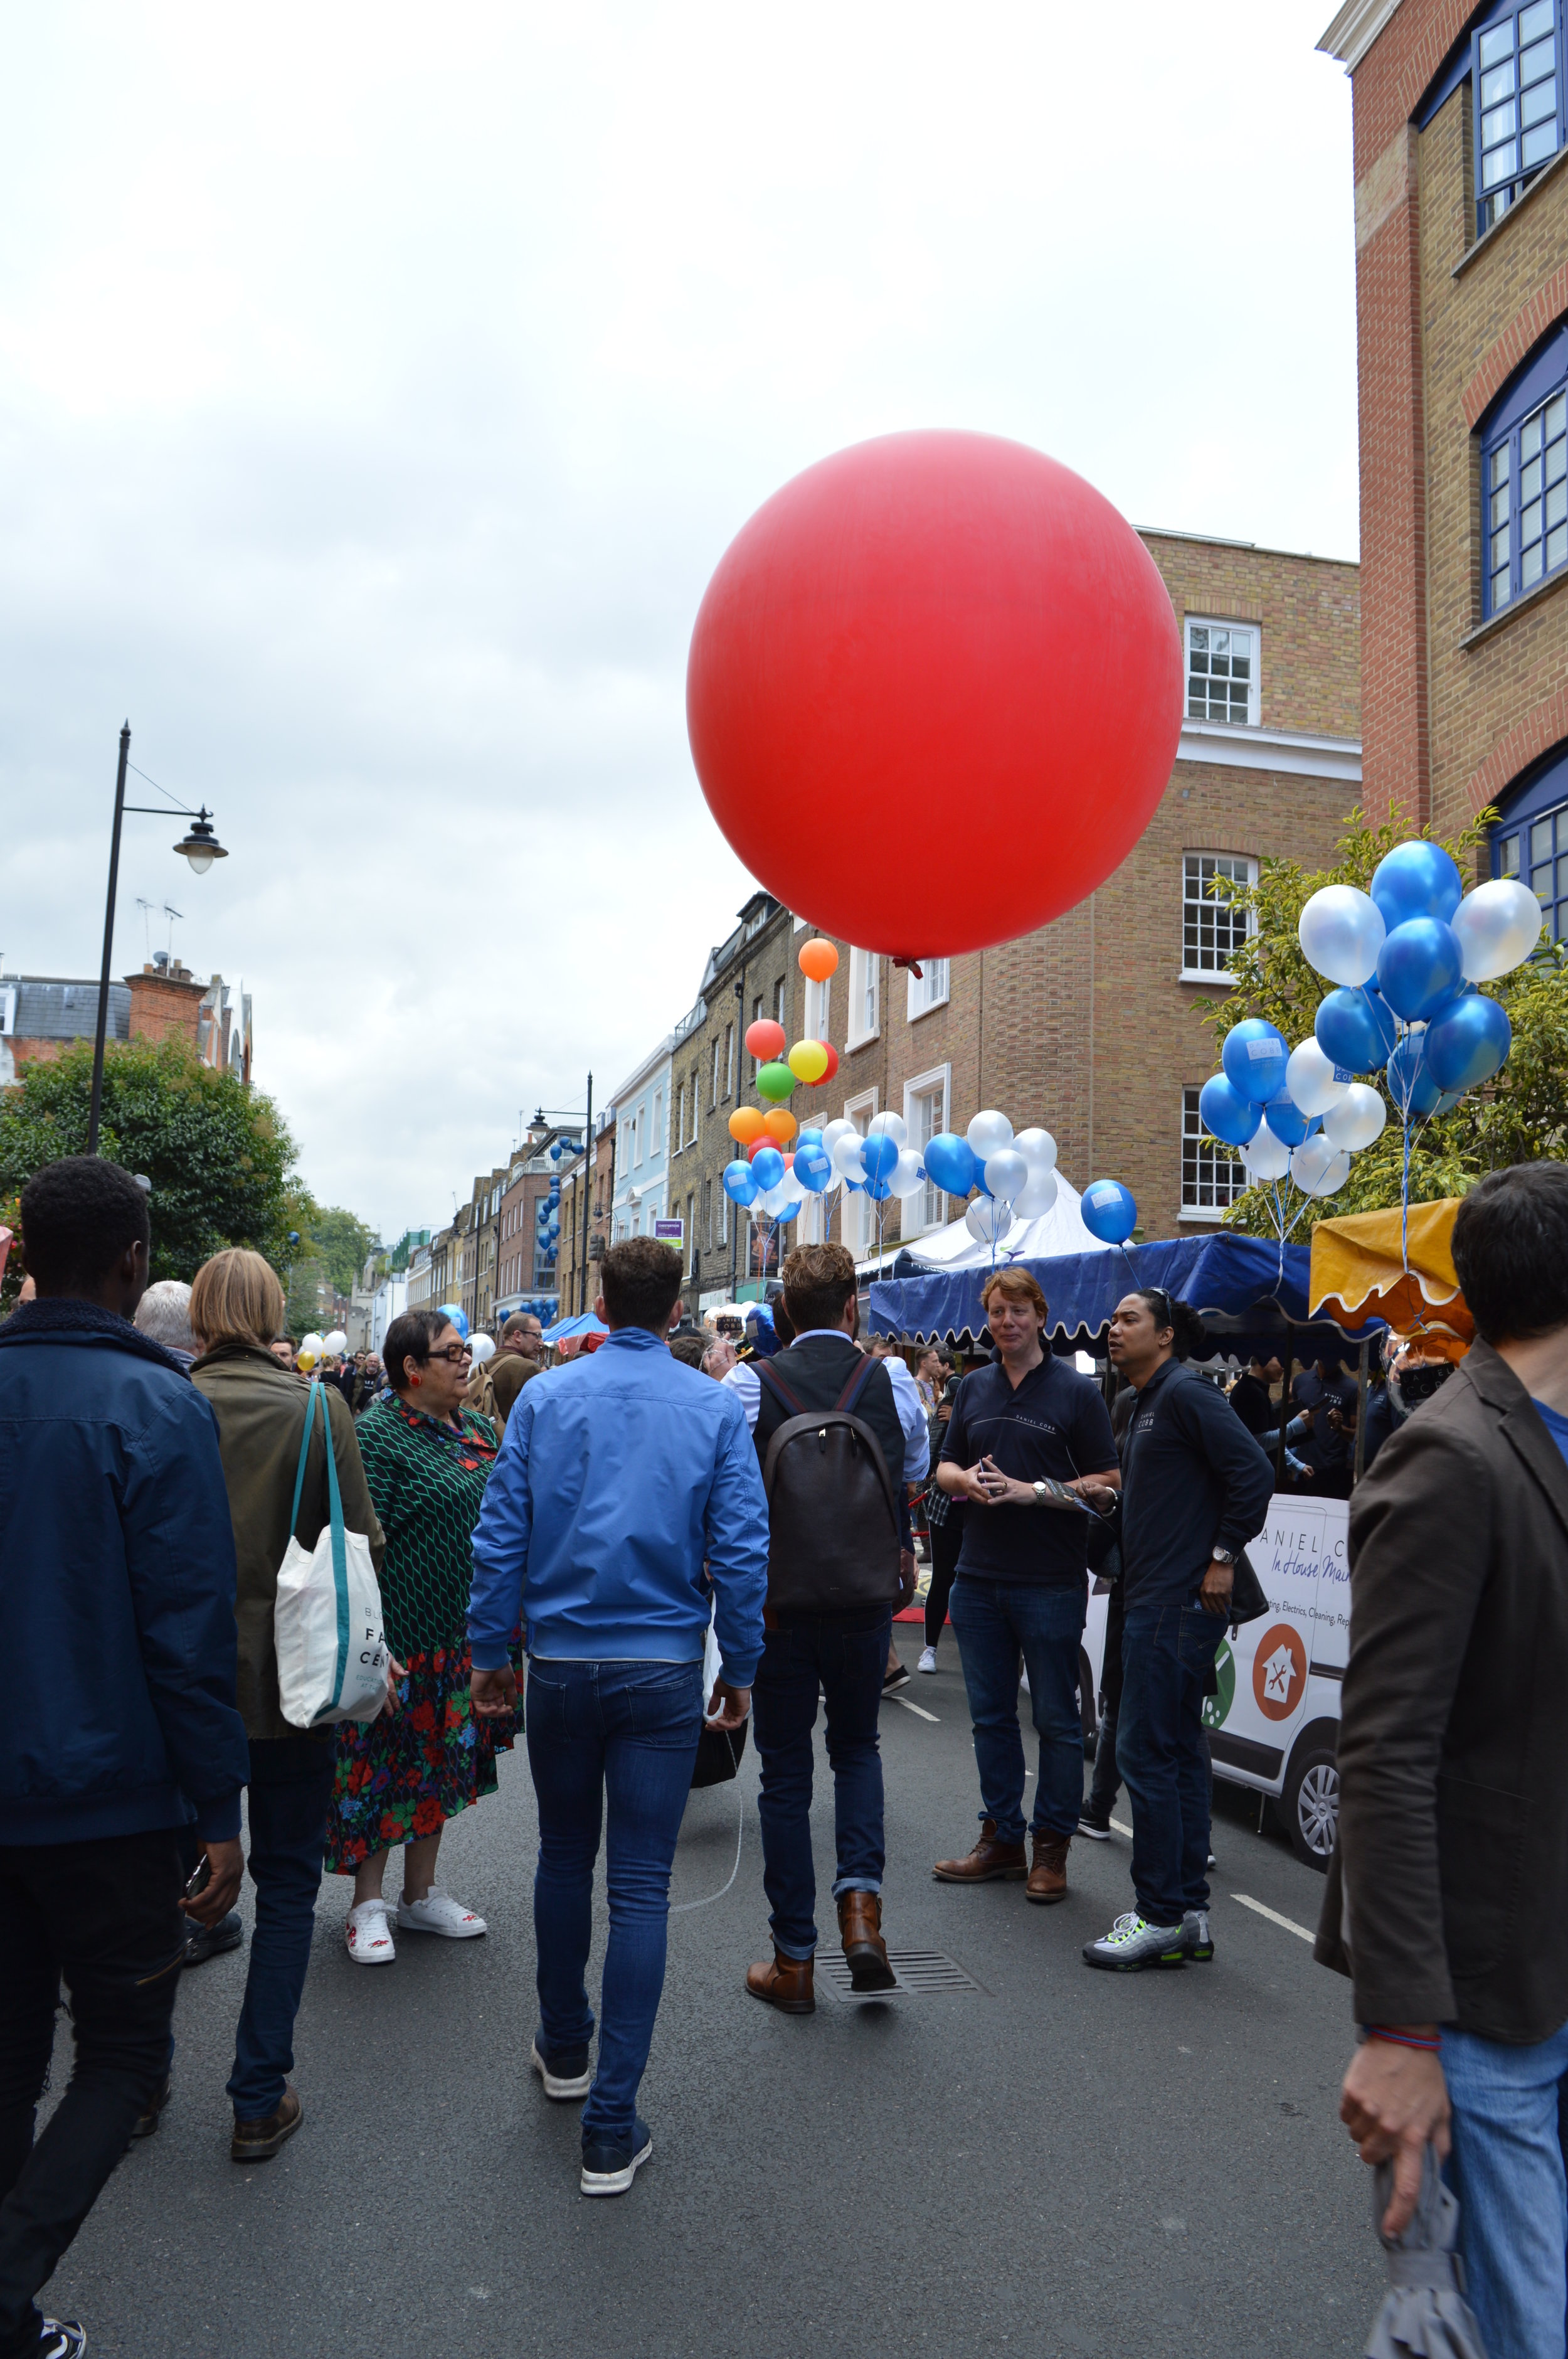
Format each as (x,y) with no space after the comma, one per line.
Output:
(522,1356)
(1447,1899)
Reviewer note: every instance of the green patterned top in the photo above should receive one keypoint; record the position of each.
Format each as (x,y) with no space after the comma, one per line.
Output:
(427,1486)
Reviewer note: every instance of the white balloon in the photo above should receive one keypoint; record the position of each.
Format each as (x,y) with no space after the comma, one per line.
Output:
(986,1221)
(989,1133)
(908,1174)
(1334,1177)
(1038,1197)
(1007,1174)
(833,1132)
(1309,1161)
(774,1200)
(312,1343)
(1341,931)
(1499,925)
(848,1160)
(1038,1149)
(1357,1119)
(335,1339)
(894,1125)
(1266,1157)
(1312,1079)
(483,1346)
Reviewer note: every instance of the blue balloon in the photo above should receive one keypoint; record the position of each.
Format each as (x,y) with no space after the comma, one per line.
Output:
(556,1152)
(1287,1121)
(1467,1043)
(813,1167)
(1255,1055)
(767,1167)
(1109,1210)
(879,1153)
(741,1182)
(455,1316)
(950,1163)
(809,1137)
(1411,1086)
(788,1211)
(877,1190)
(1421,967)
(1355,1030)
(1226,1113)
(1416,880)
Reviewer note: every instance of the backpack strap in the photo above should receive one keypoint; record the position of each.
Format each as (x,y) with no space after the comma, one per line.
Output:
(765,1374)
(859,1378)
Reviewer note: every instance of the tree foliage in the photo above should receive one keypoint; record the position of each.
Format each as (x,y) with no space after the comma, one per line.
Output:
(339,1239)
(1519,1115)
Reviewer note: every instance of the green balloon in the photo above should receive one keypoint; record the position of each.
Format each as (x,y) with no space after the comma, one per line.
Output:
(775,1081)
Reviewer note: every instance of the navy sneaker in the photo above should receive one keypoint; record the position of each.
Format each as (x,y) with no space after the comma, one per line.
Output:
(564,2075)
(204,1941)
(610,2165)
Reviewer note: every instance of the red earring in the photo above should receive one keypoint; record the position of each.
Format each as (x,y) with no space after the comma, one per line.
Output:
(418,1378)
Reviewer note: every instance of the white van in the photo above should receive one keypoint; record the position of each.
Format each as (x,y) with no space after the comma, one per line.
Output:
(1274,1725)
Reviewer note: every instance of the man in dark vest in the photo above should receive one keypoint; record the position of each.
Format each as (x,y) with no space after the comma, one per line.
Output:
(842,1650)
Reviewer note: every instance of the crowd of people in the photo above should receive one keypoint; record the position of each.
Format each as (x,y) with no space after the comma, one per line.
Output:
(557,1550)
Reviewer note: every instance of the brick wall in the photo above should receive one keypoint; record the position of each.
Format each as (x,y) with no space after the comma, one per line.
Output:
(165,1005)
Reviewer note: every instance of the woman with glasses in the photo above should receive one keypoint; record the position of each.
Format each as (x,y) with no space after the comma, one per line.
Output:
(427,1459)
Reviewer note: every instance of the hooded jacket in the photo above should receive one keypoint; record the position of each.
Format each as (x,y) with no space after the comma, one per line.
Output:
(117,1588)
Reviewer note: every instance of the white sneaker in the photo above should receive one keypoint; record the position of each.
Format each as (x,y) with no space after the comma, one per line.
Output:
(369,1936)
(928,1660)
(439,1913)
(1132,1944)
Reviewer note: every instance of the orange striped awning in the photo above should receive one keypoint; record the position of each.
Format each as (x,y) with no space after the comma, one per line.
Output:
(1359,1271)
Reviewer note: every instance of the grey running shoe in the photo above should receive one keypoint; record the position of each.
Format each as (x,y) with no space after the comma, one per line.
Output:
(1132,1944)
(1197,1938)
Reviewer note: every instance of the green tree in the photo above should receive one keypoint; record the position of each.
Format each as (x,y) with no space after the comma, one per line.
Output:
(1521,1113)
(340,1240)
(219,1154)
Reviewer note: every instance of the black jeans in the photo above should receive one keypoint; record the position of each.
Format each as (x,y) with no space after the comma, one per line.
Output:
(106,1917)
(946,1539)
(290,1790)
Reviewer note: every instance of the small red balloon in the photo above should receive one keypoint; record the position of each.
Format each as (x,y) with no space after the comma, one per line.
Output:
(960,650)
(764,1039)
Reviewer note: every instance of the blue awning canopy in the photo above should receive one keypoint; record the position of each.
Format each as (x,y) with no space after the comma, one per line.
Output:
(1247,1292)
(585,1323)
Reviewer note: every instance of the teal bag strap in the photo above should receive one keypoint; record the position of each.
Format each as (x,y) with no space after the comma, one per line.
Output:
(335,1513)
(305,1452)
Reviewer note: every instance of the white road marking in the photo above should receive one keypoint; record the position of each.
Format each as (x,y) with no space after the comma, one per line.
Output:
(1288,1923)
(1121,1830)
(918,1710)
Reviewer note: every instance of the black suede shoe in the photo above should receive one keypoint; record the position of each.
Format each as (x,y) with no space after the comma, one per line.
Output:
(146,2121)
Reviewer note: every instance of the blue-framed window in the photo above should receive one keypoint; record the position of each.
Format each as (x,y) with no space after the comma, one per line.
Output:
(1517,80)
(1531,839)
(1524,476)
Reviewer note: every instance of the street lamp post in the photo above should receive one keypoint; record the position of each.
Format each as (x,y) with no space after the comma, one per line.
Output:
(201,847)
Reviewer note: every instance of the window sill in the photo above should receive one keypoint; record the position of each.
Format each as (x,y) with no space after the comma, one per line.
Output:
(1200,1212)
(863,1042)
(1199,974)
(1546,172)
(934,1009)
(1517,606)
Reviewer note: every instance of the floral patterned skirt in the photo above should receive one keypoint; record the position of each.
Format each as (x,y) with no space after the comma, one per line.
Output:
(405,1774)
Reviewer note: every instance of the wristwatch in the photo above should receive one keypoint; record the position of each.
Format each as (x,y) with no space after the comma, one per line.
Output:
(1042,1492)
(1223,1556)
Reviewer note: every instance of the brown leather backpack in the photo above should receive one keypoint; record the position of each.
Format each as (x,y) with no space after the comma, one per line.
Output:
(833,1521)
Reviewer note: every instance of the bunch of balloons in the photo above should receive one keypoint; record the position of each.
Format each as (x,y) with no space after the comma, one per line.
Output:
(1405,960)
(1016,1176)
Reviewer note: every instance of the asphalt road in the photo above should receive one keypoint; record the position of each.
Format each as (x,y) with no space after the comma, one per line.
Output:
(1057,2162)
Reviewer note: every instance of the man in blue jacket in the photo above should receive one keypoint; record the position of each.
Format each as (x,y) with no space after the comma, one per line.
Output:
(118,1640)
(618,1477)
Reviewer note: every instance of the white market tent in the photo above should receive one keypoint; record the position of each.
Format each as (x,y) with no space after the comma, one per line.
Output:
(1059,1231)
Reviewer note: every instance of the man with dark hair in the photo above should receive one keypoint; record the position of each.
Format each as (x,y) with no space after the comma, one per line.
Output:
(117,1631)
(1196,1489)
(840,1654)
(616,1479)
(1447,1897)
(1028,1446)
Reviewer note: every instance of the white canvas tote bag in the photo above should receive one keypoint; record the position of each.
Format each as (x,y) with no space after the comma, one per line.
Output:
(332,1655)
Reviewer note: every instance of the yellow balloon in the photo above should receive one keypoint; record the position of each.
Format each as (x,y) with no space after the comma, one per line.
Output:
(808,1060)
(304,1360)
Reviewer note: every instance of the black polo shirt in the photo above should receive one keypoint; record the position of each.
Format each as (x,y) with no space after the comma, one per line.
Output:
(1052,1427)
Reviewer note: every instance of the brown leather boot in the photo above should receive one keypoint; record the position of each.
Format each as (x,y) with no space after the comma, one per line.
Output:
(989,1861)
(1048,1877)
(258,2141)
(784,1983)
(860,1928)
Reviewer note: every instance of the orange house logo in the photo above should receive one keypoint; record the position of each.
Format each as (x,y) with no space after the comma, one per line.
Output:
(1279,1671)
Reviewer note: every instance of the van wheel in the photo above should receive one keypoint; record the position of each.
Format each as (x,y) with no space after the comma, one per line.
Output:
(1086,1712)
(1310,1805)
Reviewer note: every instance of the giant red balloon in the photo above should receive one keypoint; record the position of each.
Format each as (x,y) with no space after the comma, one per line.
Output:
(955,657)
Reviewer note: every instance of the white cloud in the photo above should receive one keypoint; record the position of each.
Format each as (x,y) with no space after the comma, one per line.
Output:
(378,388)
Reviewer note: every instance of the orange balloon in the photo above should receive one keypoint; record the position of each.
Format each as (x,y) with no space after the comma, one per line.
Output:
(818,959)
(746,1126)
(780,1124)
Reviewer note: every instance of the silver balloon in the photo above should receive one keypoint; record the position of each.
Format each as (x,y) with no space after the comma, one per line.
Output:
(908,1174)
(989,1133)
(1007,1173)
(1038,1149)
(1310,1079)
(1037,1198)
(1341,931)
(832,1132)
(848,1158)
(1309,1161)
(1357,1119)
(986,1221)
(1265,1156)
(1336,1173)
(892,1124)
(1499,925)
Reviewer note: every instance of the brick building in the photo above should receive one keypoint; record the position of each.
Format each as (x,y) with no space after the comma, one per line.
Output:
(578,1255)
(1461,322)
(42,1015)
(1088,1024)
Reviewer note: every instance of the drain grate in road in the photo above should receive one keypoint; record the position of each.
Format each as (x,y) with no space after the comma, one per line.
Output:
(920,1974)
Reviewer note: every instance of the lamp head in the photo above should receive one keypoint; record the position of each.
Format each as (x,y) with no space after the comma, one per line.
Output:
(202,847)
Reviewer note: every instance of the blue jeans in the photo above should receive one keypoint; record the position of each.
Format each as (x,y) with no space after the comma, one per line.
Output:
(290,1790)
(996,1621)
(1166,1655)
(628,1731)
(1506,2170)
(847,1654)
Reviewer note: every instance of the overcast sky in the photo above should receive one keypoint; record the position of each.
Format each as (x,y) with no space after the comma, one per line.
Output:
(379,387)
